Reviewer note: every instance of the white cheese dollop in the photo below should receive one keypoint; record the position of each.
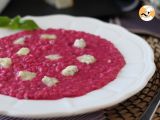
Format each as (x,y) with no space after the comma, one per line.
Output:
(19,41)
(5,62)
(53,57)
(88,59)
(79,43)
(23,51)
(48,36)
(69,70)
(49,81)
(26,75)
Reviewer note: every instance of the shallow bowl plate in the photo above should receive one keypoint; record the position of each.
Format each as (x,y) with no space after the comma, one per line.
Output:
(132,78)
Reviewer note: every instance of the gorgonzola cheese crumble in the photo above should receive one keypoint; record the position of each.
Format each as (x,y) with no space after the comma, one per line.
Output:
(69,70)
(5,62)
(19,41)
(23,51)
(48,36)
(26,75)
(49,81)
(53,57)
(88,59)
(79,43)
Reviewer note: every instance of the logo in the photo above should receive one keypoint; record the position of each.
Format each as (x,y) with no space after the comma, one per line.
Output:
(146,13)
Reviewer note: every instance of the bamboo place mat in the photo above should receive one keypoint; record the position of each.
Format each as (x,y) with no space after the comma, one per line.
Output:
(133,108)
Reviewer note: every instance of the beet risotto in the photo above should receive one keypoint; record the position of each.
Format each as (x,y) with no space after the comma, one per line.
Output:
(55,63)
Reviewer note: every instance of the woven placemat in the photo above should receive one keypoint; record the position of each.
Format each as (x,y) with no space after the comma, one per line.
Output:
(133,108)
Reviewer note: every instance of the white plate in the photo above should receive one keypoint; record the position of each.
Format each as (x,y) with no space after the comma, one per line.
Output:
(133,77)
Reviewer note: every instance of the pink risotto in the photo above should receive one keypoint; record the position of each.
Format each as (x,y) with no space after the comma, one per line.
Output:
(55,63)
